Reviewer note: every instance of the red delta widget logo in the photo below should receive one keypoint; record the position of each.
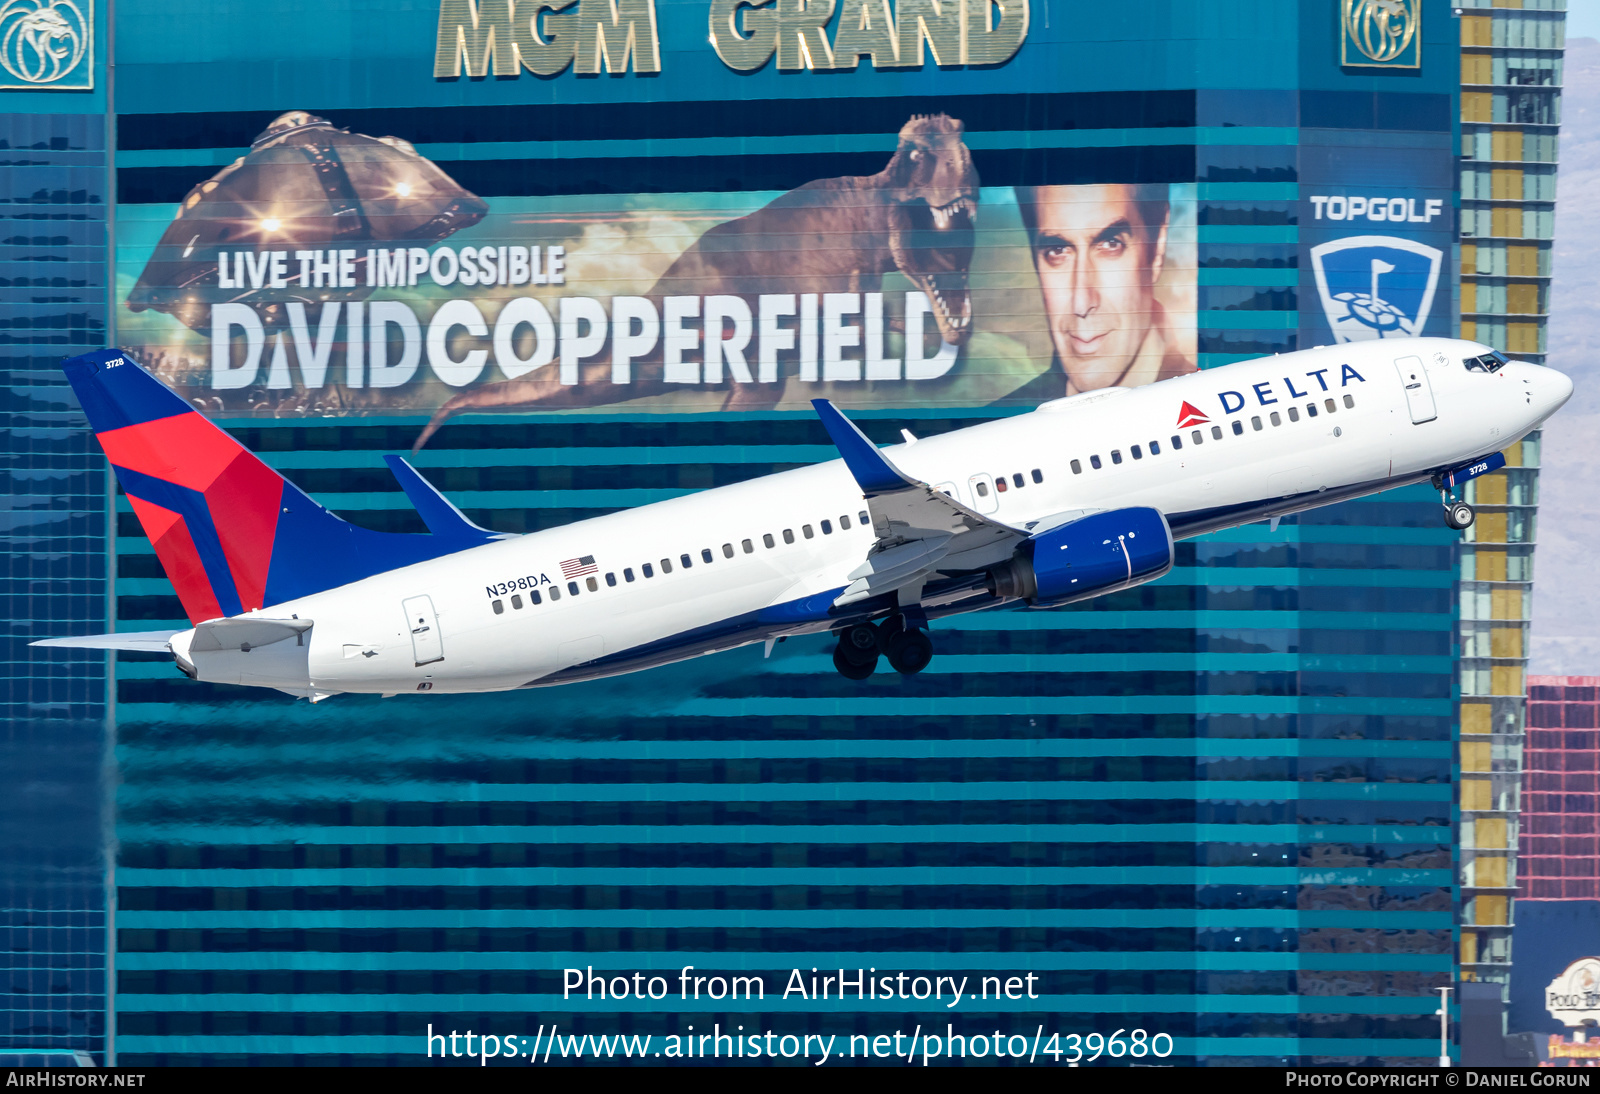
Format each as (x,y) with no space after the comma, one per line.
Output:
(1317,381)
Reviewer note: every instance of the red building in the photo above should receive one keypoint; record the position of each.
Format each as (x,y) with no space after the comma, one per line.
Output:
(1560,841)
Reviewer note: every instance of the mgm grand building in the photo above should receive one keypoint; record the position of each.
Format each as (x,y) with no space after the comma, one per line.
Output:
(582,256)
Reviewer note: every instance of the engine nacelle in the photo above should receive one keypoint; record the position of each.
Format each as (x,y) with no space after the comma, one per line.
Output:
(1096,554)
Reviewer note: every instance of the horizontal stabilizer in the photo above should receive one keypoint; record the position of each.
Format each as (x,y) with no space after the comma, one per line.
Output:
(437,511)
(138,641)
(245,633)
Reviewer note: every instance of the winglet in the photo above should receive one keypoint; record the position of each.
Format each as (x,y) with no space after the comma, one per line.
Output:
(437,511)
(873,472)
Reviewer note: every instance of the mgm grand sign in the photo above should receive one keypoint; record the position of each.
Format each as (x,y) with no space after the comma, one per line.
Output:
(479,37)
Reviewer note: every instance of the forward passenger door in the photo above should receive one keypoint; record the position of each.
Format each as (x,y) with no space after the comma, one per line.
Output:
(1419,392)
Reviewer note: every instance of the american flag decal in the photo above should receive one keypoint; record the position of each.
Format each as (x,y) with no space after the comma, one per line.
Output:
(577,567)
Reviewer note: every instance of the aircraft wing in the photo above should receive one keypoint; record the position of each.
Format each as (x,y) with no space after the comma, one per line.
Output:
(919,528)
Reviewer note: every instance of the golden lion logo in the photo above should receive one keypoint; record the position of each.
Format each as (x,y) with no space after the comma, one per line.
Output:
(42,41)
(1382,30)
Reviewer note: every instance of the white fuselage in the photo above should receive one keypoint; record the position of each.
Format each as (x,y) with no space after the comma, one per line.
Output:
(472,636)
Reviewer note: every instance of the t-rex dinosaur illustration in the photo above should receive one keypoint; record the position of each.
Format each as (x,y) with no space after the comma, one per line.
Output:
(832,235)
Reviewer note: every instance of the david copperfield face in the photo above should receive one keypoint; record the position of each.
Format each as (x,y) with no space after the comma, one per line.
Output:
(1098,261)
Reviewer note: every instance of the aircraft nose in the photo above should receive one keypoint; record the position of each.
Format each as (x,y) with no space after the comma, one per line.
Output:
(1554,389)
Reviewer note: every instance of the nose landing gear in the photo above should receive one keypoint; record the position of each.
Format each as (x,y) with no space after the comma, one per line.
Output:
(908,648)
(1457,514)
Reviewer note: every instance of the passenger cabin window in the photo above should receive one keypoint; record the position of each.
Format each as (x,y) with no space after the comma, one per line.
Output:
(1116,455)
(749,548)
(788,535)
(865,519)
(572,588)
(1077,468)
(534,597)
(807,532)
(827,527)
(666,565)
(844,523)
(627,573)
(1349,401)
(1094,462)
(555,593)
(516,601)
(1330,405)
(1137,452)
(685,561)
(1311,410)
(1038,476)
(1177,442)
(768,540)
(982,488)
(611,580)
(1238,429)
(649,571)
(1155,448)
(499,607)
(592,584)
(1255,423)
(1277,419)
(1196,436)
(1000,485)
(1017,481)
(1216,432)
(1294,414)
(705,555)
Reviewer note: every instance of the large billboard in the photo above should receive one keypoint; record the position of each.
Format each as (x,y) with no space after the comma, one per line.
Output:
(328,272)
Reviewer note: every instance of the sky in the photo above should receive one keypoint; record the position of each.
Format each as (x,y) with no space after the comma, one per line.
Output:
(1566,595)
(1583,19)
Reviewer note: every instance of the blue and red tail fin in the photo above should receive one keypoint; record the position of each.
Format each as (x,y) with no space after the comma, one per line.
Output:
(232,534)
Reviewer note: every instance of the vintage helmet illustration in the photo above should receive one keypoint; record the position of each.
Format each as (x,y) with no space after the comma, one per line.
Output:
(303,185)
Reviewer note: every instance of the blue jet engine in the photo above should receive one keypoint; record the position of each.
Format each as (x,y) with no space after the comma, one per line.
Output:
(1099,553)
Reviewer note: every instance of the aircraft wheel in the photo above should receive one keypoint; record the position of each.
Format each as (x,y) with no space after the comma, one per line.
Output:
(859,644)
(1459,515)
(910,651)
(853,670)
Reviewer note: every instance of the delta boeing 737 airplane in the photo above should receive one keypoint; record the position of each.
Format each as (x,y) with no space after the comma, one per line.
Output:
(1081,497)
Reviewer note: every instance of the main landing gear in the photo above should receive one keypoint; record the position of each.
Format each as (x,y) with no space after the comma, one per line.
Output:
(908,648)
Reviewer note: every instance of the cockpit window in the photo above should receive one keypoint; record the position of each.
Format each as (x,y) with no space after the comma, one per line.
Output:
(1492,361)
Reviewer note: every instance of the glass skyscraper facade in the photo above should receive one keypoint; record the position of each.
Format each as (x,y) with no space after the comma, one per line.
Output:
(54,914)
(1511,76)
(1558,875)
(1220,807)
